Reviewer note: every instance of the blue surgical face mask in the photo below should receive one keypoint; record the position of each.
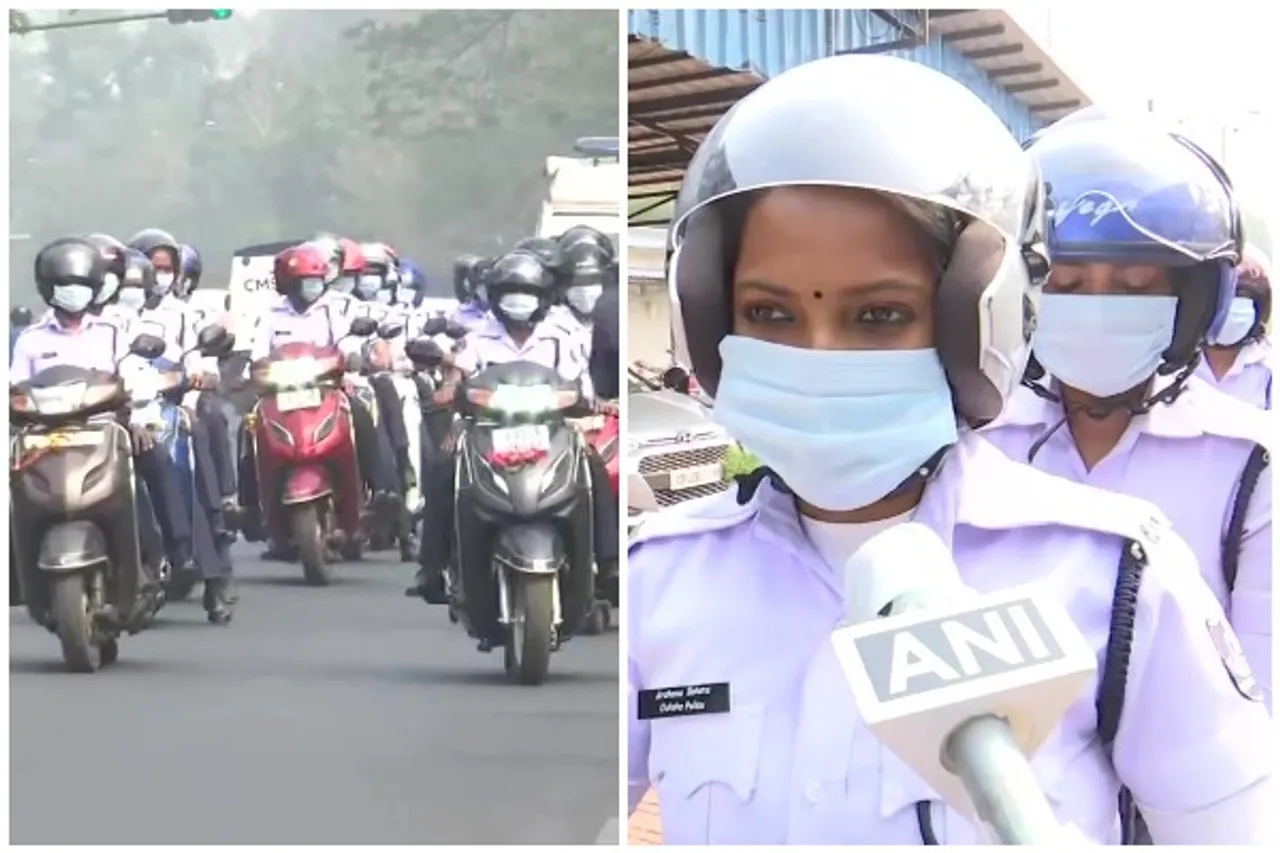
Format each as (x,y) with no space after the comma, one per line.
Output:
(72,298)
(132,298)
(383,296)
(110,284)
(405,295)
(345,284)
(519,306)
(311,289)
(164,283)
(842,428)
(367,286)
(1103,344)
(1241,317)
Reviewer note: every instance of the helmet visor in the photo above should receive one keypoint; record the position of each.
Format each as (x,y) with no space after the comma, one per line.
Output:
(870,122)
(1126,190)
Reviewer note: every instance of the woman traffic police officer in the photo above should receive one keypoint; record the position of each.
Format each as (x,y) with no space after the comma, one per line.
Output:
(1239,358)
(521,287)
(857,259)
(1144,241)
(69,274)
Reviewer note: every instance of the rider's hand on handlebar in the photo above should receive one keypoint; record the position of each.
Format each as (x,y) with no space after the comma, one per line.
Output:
(443,396)
(608,408)
(143,440)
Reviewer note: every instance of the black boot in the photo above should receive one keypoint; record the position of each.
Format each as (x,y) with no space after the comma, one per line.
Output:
(607,582)
(429,586)
(216,606)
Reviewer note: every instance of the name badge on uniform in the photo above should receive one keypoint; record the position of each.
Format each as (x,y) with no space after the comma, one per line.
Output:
(53,354)
(1233,659)
(688,701)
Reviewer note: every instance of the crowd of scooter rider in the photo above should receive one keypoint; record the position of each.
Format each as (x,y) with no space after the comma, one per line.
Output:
(538,303)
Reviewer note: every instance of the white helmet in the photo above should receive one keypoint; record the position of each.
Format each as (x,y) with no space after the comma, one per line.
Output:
(891,126)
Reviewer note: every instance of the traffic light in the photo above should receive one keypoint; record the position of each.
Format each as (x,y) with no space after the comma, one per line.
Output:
(195,16)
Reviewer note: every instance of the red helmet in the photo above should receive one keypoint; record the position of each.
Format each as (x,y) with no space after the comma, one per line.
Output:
(302,272)
(352,258)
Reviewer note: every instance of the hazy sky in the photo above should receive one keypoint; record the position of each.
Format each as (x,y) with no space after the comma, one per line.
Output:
(1215,71)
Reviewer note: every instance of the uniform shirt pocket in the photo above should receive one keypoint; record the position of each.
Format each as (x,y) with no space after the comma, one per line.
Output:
(705,769)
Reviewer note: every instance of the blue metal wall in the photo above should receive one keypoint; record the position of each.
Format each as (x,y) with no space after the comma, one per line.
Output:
(771,41)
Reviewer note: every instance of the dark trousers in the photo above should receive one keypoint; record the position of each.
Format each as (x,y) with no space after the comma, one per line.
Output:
(166,501)
(437,526)
(372,453)
(212,554)
(211,419)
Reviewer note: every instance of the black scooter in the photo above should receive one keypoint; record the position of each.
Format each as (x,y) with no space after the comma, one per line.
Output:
(521,575)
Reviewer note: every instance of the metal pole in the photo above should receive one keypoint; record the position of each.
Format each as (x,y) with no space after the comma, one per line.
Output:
(93,22)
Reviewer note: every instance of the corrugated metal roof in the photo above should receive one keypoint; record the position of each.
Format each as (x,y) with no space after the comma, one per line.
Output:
(688,66)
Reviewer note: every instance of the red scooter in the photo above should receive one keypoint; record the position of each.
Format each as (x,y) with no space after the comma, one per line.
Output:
(309,480)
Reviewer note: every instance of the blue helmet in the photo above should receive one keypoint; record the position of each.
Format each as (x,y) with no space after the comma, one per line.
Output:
(191,268)
(412,280)
(1125,191)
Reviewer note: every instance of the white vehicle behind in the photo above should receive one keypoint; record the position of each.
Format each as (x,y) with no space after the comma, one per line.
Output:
(585,190)
(252,286)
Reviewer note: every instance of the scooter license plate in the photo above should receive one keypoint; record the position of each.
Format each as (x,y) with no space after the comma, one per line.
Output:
(522,439)
(698,475)
(54,440)
(302,398)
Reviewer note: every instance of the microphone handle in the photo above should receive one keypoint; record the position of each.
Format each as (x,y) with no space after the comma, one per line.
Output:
(999,780)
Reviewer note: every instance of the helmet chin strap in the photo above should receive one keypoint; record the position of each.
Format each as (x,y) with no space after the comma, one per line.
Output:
(750,482)
(1135,401)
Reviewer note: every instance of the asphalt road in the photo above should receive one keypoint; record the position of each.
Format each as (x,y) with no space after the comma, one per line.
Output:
(342,715)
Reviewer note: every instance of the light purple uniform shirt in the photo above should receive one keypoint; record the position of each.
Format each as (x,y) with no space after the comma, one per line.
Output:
(1249,378)
(321,324)
(177,324)
(1186,458)
(726,593)
(548,345)
(97,345)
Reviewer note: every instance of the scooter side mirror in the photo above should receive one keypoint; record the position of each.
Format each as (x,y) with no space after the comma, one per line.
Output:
(215,341)
(424,353)
(434,326)
(389,331)
(148,346)
(363,327)
(677,379)
(457,331)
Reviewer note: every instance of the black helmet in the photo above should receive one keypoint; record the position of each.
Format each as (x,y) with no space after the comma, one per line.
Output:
(587,264)
(138,272)
(585,271)
(149,240)
(113,252)
(464,269)
(544,247)
(520,288)
(584,234)
(20,316)
(69,273)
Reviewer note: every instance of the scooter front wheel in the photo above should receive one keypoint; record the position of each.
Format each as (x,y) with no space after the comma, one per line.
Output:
(308,535)
(69,606)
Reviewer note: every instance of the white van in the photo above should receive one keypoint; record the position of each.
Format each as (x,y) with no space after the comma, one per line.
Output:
(252,286)
(585,190)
